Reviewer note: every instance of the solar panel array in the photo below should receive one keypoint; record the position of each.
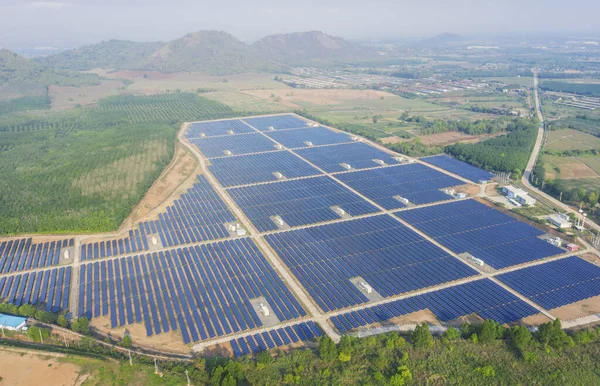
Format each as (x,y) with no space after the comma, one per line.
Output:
(460,168)
(276,122)
(199,215)
(201,291)
(50,287)
(253,344)
(229,145)
(22,254)
(389,256)
(316,136)
(483,297)
(255,168)
(135,242)
(358,155)
(417,183)
(298,202)
(211,129)
(486,233)
(556,283)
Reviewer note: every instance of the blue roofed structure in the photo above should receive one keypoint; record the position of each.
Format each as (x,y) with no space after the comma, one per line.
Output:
(11,322)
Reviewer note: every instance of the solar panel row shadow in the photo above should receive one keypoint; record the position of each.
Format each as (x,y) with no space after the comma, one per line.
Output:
(306,137)
(557,283)
(50,287)
(255,168)
(253,344)
(484,232)
(357,155)
(460,168)
(213,147)
(215,128)
(298,202)
(202,291)
(276,122)
(22,254)
(391,258)
(417,183)
(482,297)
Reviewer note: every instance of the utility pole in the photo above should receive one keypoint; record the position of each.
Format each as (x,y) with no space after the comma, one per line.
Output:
(155,366)
(65,340)
(41,338)
(188,378)
(130,361)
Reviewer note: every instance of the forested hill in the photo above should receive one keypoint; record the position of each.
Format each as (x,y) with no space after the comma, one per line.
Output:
(213,52)
(302,46)
(107,54)
(21,76)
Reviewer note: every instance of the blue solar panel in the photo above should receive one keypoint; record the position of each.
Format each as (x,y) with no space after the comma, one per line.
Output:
(51,288)
(202,291)
(417,183)
(213,147)
(482,297)
(486,233)
(214,128)
(22,254)
(460,168)
(251,169)
(276,122)
(556,283)
(298,202)
(357,155)
(387,255)
(274,338)
(306,137)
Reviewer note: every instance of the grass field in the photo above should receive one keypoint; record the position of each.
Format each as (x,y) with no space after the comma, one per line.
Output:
(568,139)
(68,97)
(239,101)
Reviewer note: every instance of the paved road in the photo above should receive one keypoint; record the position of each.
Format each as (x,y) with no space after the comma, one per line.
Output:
(534,156)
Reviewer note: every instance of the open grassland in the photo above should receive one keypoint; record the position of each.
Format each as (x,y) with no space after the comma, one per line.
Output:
(86,169)
(239,101)
(64,97)
(567,168)
(569,139)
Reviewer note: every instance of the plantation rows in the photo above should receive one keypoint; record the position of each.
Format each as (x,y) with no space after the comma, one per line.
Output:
(85,169)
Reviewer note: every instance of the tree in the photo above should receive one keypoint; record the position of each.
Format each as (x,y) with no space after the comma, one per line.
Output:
(327,349)
(592,199)
(344,357)
(62,321)
(451,334)
(519,337)
(421,336)
(551,334)
(27,310)
(34,332)
(46,317)
(489,331)
(126,341)
(81,325)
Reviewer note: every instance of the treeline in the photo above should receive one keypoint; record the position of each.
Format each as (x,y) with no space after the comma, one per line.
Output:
(39,102)
(478,127)
(588,89)
(508,153)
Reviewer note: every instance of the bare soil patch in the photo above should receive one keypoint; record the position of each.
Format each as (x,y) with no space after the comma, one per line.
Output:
(64,97)
(170,341)
(30,369)
(576,310)
(535,320)
(454,137)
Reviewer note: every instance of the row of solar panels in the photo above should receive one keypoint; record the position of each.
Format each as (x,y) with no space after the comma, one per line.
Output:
(22,254)
(460,168)
(391,257)
(50,287)
(201,291)
(253,344)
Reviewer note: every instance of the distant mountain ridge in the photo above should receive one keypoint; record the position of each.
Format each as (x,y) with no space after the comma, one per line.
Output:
(22,76)
(213,52)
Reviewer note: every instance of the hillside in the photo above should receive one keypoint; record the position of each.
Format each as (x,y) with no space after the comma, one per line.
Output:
(303,46)
(213,52)
(108,54)
(20,76)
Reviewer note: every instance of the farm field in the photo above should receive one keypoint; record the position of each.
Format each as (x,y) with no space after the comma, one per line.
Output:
(569,139)
(243,102)
(68,97)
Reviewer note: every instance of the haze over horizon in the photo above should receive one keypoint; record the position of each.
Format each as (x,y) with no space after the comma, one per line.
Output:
(76,22)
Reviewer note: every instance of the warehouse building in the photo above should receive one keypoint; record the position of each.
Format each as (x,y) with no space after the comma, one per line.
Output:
(13,323)
(519,195)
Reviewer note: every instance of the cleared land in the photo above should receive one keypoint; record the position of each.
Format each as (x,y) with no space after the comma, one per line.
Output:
(569,139)
(68,97)
(567,168)
(21,368)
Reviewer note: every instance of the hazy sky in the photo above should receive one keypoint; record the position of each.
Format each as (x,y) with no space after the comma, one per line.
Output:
(24,22)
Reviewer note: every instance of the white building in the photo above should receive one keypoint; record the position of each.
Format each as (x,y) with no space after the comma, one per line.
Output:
(14,323)
(519,195)
(561,221)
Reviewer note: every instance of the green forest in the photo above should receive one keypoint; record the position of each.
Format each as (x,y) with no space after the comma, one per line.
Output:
(589,89)
(84,170)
